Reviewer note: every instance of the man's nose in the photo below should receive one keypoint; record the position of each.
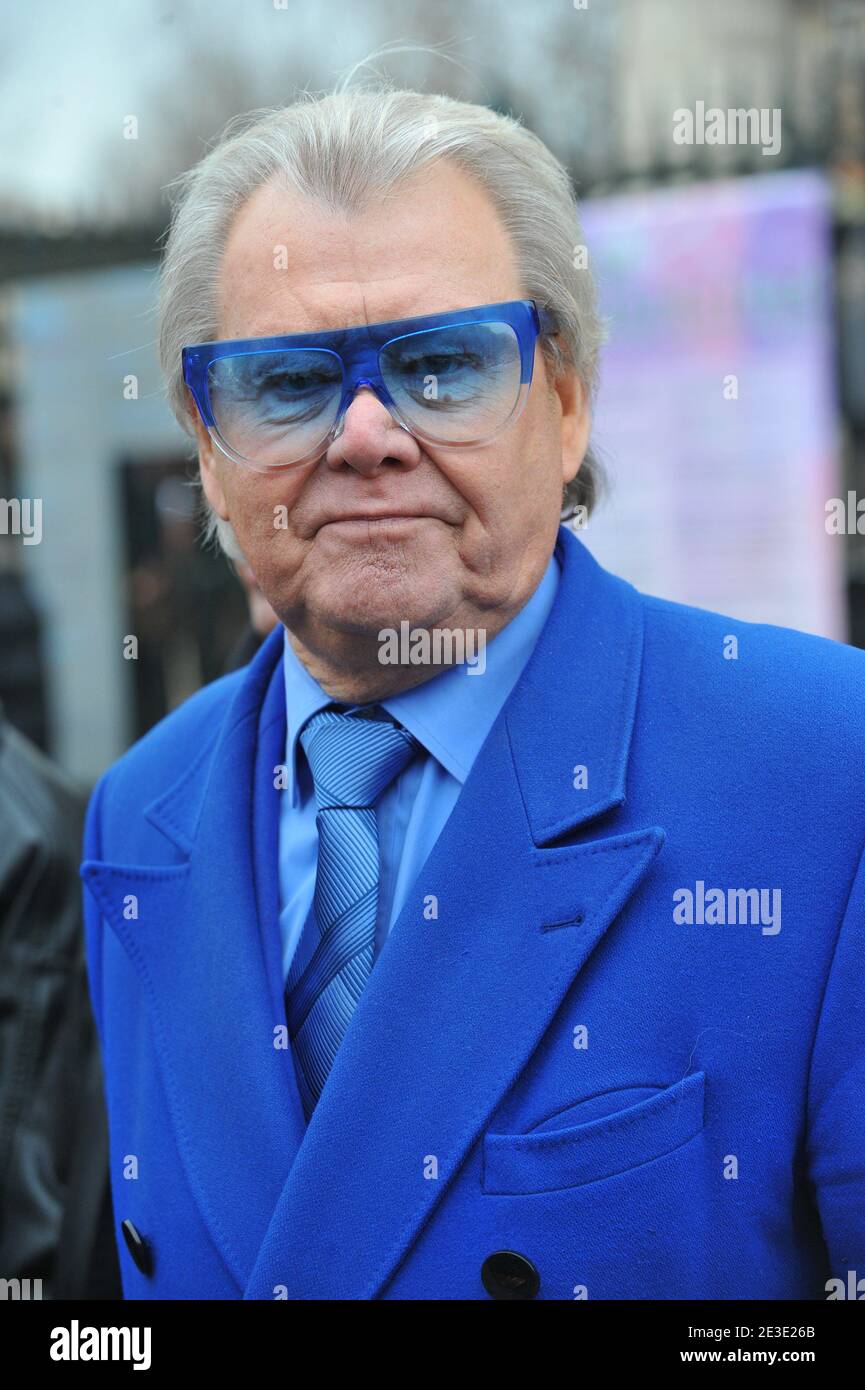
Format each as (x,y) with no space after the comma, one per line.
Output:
(370,436)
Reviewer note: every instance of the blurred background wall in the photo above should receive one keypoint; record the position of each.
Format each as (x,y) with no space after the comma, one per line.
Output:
(732,405)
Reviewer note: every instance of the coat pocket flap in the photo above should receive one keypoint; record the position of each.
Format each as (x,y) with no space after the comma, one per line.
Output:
(560,1158)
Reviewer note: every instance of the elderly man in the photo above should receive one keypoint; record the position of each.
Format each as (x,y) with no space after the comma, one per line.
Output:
(526,965)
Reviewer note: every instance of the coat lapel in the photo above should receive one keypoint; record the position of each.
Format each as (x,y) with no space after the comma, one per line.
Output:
(498,924)
(205,944)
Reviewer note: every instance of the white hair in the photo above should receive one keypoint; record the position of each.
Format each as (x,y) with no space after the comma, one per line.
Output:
(347,148)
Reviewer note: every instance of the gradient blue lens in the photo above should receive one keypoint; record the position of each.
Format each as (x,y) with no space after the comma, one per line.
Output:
(456,384)
(272,406)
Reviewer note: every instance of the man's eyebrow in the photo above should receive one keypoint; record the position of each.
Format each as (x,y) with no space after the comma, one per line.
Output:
(336,335)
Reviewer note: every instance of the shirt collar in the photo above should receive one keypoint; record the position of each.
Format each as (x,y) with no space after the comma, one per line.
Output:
(450,714)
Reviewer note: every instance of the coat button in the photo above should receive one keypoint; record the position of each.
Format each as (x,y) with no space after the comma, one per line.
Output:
(507,1274)
(138,1247)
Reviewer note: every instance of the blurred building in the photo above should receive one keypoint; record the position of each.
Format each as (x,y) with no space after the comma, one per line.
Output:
(136,615)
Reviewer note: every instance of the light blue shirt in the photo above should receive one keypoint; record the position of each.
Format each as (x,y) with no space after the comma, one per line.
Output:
(450,715)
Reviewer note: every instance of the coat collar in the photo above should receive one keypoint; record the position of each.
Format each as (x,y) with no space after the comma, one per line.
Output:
(329,1211)
(576,701)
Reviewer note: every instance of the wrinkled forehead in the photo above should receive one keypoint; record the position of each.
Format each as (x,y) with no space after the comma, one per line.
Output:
(291,264)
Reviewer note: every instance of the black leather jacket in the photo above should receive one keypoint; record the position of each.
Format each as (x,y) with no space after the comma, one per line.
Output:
(55,1206)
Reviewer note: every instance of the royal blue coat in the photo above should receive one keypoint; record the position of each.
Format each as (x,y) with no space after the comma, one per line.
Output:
(549,1058)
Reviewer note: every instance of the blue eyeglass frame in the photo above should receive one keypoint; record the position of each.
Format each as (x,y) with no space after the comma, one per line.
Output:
(358,351)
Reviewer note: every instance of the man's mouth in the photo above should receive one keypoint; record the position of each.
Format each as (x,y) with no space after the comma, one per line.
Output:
(364,521)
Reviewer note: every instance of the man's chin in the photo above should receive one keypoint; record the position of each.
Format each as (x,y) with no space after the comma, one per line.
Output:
(370,608)
(373,587)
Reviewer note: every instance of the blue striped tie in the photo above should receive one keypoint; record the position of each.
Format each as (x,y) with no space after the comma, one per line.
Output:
(352,756)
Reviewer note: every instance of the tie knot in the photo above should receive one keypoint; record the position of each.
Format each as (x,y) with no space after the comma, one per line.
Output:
(354,755)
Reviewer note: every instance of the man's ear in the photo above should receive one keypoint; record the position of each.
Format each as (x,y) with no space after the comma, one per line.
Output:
(209,465)
(576,421)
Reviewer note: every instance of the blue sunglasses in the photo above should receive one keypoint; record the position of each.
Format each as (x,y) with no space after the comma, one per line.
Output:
(455,380)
